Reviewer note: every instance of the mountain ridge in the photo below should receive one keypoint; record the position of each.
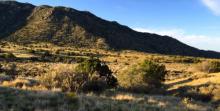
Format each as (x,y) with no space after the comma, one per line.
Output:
(25,23)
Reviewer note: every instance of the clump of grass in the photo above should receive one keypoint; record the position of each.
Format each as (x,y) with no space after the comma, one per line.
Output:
(64,77)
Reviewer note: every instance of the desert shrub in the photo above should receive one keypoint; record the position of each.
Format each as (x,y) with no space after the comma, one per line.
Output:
(8,56)
(64,77)
(142,76)
(208,66)
(31,51)
(8,72)
(1,51)
(43,53)
(95,86)
(89,66)
(57,52)
(90,75)
(71,53)
(99,74)
(180,59)
(46,53)
(1,68)
(11,70)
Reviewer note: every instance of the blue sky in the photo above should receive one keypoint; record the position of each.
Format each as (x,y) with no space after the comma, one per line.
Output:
(194,22)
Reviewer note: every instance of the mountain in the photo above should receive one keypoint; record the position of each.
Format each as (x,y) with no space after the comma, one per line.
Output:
(24,23)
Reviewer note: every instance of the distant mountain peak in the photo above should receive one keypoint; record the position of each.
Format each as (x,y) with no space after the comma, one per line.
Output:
(25,23)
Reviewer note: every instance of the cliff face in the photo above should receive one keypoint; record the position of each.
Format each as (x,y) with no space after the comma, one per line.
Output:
(26,23)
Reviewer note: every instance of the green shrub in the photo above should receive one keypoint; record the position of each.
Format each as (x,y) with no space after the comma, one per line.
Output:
(58,51)
(31,51)
(209,66)
(89,66)
(98,73)
(153,73)
(8,56)
(142,76)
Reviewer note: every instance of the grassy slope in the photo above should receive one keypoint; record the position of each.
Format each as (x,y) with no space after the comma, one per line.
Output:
(182,80)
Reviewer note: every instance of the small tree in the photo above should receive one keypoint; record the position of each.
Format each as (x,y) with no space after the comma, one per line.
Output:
(153,73)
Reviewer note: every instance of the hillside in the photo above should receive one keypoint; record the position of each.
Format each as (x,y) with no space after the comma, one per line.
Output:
(22,68)
(25,23)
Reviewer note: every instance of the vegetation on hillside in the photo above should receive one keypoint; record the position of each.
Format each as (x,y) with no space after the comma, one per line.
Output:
(62,59)
(103,80)
(25,24)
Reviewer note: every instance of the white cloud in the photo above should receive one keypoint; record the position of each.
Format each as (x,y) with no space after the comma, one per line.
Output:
(213,5)
(198,41)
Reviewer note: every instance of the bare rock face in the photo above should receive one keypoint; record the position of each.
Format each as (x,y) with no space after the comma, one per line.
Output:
(25,23)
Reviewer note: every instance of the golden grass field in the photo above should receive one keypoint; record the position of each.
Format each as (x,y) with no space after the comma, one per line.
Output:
(186,88)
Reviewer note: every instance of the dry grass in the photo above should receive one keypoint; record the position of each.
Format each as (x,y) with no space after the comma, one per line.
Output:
(52,101)
(181,76)
(198,84)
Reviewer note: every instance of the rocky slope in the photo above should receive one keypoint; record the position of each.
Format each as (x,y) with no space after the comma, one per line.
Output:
(25,23)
